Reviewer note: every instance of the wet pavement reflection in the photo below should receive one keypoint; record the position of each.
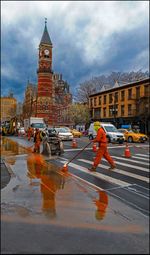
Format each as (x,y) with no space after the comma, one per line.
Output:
(50,181)
(47,179)
(40,192)
(10,148)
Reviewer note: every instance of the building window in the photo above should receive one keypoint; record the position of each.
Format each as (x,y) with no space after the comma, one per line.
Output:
(91,102)
(110,111)
(137,92)
(129,110)
(110,98)
(116,97)
(97,113)
(146,90)
(122,110)
(122,95)
(99,100)
(105,99)
(104,112)
(129,94)
(94,101)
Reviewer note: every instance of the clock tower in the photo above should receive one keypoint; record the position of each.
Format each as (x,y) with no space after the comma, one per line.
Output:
(45,103)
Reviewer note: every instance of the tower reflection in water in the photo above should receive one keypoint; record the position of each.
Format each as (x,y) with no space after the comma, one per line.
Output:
(51,180)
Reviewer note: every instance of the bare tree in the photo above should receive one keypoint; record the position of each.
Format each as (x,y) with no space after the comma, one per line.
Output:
(95,84)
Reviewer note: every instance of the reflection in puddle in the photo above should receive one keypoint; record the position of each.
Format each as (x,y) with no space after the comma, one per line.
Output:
(50,178)
(101,204)
(9,147)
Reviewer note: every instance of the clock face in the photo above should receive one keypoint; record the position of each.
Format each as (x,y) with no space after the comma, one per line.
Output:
(46,52)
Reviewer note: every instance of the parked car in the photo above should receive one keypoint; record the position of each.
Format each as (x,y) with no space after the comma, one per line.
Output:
(131,136)
(64,134)
(76,133)
(113,135)
(21,131)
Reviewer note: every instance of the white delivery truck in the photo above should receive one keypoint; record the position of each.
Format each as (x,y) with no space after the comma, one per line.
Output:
(112,134)
(34,122)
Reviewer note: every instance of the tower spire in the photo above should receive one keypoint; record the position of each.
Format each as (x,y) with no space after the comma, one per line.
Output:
(45,37)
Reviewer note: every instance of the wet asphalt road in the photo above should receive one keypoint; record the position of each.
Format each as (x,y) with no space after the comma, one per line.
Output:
(46,212)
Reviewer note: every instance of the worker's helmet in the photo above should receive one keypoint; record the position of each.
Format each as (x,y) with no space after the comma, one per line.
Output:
(97,125)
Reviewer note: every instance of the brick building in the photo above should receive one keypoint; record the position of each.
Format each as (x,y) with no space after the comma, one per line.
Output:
(8,107)
(123,104)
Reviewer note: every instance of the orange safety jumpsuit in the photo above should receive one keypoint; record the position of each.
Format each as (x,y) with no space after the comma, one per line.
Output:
(102,150)
(101,204)
(29,132)
(37,142)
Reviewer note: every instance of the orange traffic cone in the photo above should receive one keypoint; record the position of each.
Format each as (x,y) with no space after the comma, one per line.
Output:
(74,143)
(127,151)
(65,168)
(94,147)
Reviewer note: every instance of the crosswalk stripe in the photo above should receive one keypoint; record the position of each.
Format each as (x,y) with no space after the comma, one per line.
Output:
(116,170)
(131,166)
(134,161)
(98,175)
(144,159)
(143,155)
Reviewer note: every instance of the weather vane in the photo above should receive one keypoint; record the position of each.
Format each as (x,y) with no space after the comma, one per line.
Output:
(45,21)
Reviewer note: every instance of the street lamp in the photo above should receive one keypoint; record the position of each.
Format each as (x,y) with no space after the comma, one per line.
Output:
(114,111)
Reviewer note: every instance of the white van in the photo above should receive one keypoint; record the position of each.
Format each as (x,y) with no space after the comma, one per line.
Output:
(111,132)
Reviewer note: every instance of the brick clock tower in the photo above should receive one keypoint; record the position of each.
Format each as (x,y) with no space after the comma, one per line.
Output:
(45,103)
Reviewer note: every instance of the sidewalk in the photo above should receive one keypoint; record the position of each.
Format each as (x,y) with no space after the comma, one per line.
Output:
(5,175)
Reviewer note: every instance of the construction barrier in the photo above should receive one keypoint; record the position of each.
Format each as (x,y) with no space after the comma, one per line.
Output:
(127,151)
(74,143)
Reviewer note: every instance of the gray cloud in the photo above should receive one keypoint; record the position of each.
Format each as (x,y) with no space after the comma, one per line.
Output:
(89,37)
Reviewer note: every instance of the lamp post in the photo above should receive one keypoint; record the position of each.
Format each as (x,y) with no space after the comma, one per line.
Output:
(114,111)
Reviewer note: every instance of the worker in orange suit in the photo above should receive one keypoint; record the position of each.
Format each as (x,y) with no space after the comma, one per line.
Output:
(102,151)
(102,204)
(29,133)
(37,141)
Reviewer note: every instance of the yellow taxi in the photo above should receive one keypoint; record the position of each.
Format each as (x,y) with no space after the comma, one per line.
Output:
(131,136)
(76,133)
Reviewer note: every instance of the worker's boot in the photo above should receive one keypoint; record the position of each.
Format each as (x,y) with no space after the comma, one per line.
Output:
(92,169)
(112,167)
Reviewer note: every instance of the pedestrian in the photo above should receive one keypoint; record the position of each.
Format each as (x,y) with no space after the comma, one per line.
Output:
(102,151)
(37,141)
(29,133)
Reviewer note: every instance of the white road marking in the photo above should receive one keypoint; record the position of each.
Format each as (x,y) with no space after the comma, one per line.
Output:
(143,155)
(131,166)
(98,175)
(131,160)
(116,170)
(144,159)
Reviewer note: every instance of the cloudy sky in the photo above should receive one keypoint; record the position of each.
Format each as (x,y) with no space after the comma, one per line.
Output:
(90,38)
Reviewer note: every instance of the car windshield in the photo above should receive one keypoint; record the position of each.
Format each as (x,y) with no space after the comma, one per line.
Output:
(131,131)
(62,130)
(68,129)
(38,125)
(111,129)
